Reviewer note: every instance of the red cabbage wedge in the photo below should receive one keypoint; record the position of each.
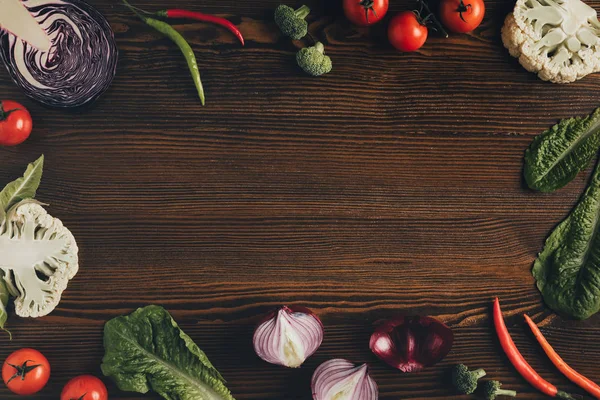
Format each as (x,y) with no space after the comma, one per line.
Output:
(60,52)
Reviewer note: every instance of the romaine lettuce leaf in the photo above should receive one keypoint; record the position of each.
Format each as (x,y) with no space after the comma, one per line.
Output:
(568,268)
(147,350)
(556,156)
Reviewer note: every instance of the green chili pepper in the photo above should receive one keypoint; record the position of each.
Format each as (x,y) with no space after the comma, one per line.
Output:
(180,41)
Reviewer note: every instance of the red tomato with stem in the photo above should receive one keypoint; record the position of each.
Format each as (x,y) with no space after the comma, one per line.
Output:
(15,123)
(84,387)
(407,32)
(365,12)
(462,16)
(26,371)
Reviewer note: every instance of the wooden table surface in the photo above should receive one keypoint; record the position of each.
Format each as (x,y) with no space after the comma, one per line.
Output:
(391,185)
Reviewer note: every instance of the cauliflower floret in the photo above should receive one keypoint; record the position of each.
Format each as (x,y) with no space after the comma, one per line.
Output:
(557,39)
(38,256)
(512,36)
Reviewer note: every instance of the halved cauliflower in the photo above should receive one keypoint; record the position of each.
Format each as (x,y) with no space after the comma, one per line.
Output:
(557,39)
(38,256)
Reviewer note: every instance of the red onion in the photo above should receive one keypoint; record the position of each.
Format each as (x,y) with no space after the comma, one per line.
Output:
(288,336)
(339,379)
(411,343)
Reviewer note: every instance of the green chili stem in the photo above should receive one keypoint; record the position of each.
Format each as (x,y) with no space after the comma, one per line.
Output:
(132,7)
(180,41)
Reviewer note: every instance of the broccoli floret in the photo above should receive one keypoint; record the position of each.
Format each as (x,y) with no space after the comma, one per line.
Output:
(291,22)
(491,389)
(313,60)
(465,381)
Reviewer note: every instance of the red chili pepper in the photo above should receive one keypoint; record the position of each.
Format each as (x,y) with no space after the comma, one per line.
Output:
(177,13)
(519,362)
(574,376)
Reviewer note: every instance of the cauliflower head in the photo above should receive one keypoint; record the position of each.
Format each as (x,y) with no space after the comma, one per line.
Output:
(38,256)
(557,39)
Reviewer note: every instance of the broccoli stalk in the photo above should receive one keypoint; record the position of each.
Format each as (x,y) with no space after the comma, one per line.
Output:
(491,389)
(291,22)
(313,60)
(465,381)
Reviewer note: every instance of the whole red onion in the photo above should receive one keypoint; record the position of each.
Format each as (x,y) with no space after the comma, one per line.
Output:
(411,343)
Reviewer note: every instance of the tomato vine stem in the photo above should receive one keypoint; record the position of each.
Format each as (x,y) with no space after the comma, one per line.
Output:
(4,114)
(463,8)
(431,17)
(22,370)
(368,6)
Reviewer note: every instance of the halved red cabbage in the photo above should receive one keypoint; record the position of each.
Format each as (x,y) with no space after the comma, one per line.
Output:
(82,60)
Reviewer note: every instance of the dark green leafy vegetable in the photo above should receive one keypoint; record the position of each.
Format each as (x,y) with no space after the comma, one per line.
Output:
(556,156)
(568,268)
(4,295)
(147,350)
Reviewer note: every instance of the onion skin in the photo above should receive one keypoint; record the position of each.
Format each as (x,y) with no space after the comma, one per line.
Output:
(411,343)
(339,379)
(82,60)
(288,336)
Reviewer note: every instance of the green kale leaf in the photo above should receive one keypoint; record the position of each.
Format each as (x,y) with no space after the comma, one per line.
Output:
(568,268)
(556,156)
(147,350)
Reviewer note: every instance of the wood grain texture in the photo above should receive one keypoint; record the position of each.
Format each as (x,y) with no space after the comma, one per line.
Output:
(391,185)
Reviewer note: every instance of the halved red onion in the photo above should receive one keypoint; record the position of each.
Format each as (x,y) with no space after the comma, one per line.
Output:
(411,343)
(339,379)
(288,336)
(80,62)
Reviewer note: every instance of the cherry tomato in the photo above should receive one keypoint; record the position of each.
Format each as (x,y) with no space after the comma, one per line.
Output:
(462,16)
(84,387)
(15,123)
(406,32)
(365,12)
(26,371)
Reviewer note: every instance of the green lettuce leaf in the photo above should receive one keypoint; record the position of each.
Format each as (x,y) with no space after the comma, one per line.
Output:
(147,350)
(568,268)
(4,295)
(23,188)
(556,156)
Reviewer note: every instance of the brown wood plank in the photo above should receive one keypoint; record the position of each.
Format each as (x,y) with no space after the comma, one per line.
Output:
(391,185)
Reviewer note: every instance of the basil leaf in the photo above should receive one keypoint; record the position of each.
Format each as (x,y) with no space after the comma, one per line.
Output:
(147,350)
(4,295)
(556,156)
(23,188)
(568,268)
